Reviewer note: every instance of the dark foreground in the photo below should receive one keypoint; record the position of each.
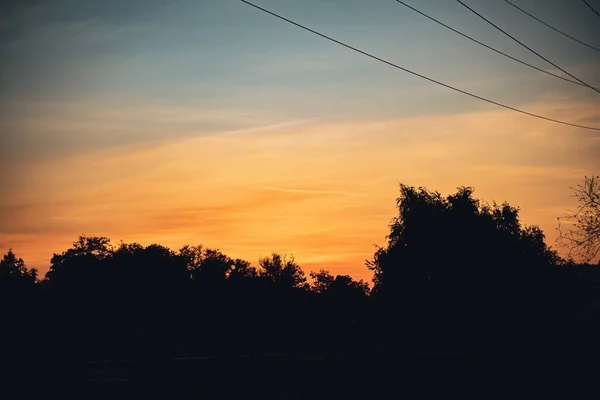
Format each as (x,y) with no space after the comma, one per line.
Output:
(333,376)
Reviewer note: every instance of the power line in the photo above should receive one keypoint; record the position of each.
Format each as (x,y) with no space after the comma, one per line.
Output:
(524,45)
(591,8)
(551,27)
(415,73)
(489,47)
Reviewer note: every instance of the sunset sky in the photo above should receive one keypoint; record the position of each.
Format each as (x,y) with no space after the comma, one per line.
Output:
(209,122)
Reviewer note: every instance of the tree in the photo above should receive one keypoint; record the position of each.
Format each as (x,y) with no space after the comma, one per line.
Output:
(161,268)
(582,236)
(242,270)
(340,287)
(14,272)
(207,265)
(460,271)
(210,266)
(282,272)
(322,281)
(78,266)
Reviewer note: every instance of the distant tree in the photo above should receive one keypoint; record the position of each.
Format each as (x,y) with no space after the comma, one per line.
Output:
(242,270)
(125,268)
(207,265)
(12,266)
(14,272)
(322,281)
(95,246)
(162,267)
(340,286)
(282,272)
(78,266)
(582,235)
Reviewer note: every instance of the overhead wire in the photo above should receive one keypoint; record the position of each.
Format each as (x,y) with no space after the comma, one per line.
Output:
(552,27)
(415,73)
(525,46)
(591,8)
(487,46)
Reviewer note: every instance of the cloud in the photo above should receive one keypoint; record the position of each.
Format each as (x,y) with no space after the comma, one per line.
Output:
(47,130)
(306,191)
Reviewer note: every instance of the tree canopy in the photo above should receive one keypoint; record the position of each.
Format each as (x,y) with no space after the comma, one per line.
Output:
(14,272)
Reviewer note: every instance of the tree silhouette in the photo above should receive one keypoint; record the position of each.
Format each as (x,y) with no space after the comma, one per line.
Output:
(14,272)
(440,242)
(460,263)
(322,281)
(153,267)
(282,272)
(582,237)
(242,270)
(206,265)
(77,268)
(340,287)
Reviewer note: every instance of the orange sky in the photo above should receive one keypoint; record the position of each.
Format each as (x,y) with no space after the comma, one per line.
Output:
(323,191)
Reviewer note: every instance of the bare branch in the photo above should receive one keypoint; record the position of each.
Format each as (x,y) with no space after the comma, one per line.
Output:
(582,238)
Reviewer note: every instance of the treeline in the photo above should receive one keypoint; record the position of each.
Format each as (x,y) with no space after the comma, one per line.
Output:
(455,276)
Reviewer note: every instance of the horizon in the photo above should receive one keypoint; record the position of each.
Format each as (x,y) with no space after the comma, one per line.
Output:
(213,123)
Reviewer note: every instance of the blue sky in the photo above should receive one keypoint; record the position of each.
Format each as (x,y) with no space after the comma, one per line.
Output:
(224,54)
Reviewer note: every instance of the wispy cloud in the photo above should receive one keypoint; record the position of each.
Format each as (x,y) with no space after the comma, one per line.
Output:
(298,186)
(306,191)
(48,130)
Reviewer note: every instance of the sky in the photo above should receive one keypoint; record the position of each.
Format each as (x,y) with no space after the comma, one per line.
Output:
(210,122)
